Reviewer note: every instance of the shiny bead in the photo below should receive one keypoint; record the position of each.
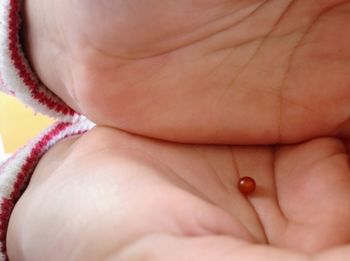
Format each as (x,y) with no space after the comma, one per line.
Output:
(246,185)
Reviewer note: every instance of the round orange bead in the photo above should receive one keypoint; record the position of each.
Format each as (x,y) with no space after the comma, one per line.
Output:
(246,185)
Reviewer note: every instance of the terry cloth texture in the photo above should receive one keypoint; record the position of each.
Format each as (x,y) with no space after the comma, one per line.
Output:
(16,76)
(18,79)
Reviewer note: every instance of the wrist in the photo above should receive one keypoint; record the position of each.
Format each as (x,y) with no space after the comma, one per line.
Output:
(17,76)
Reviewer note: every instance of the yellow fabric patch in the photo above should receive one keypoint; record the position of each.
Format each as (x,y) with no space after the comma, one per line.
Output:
(18,124)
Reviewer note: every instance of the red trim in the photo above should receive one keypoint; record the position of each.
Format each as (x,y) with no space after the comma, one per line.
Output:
(33,158)
(23,177)
(24,73)
(6,209)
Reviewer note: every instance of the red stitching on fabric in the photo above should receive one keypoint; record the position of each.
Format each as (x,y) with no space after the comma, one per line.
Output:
(6,209)
(24,175)
(33,158)
(19,64)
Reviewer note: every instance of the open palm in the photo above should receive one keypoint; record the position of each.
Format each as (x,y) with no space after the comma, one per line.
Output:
(138,199)
(195,71)
(220,71)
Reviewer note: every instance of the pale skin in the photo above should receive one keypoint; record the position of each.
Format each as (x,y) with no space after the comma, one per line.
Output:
(234,72)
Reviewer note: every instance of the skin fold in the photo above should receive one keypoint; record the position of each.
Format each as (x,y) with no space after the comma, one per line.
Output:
(214,71)
(109,195)
(188,97)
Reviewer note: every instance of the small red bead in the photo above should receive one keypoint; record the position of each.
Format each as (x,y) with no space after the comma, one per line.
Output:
(246,185)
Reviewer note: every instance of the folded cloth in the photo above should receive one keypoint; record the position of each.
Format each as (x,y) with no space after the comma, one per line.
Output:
(18,79)
(16,76)
(4,157)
